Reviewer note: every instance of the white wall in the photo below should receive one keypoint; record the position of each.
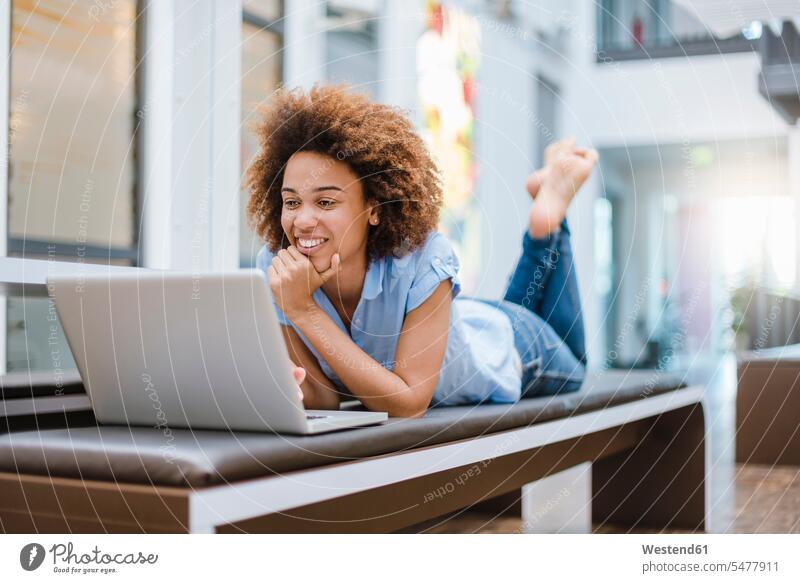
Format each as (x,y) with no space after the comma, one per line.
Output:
(673,100)
(504,153)
(507,127)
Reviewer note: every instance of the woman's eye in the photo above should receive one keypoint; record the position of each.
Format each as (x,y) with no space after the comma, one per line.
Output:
(327,203)
(290,204)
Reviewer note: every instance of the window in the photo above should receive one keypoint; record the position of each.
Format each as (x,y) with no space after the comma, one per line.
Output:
(72,125)
(548,98)
(262,42)
(72,151)
(647,29)
(351,40)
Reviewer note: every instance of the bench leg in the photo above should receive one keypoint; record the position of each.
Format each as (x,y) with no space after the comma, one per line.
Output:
(560,503)
(660,483)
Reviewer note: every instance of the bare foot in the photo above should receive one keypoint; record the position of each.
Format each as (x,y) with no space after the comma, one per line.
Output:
(534,182)
(553,187)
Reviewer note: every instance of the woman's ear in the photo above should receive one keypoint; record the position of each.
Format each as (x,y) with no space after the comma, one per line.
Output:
(374,218)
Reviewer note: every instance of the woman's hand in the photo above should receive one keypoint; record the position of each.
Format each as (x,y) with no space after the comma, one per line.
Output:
(299,374)
(293,279)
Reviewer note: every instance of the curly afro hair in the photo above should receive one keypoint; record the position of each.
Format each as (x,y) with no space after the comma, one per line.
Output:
(379,144)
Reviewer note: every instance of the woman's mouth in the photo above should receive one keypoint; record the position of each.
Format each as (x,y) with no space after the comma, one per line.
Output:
(309,246)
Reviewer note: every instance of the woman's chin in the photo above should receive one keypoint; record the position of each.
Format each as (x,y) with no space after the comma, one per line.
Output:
(320,263)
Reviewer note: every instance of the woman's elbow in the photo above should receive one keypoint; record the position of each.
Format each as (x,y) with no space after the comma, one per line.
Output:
(409,406)
(407,412)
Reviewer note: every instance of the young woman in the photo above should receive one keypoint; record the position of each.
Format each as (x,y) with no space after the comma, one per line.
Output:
(347,199)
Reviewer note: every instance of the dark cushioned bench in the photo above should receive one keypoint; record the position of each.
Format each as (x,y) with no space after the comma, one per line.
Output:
(154,480)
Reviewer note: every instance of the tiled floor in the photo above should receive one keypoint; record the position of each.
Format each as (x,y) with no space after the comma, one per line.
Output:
(767,500)
(743,498)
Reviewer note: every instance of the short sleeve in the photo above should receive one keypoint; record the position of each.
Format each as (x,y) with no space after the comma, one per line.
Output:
(436,262)
(263,261)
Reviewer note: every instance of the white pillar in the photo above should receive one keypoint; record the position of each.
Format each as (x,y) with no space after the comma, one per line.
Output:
(5,82)
(559,503)
(400,26)
(226,104)
(793,160)
(156,144)
(304,43)
(581,212)
(191,135)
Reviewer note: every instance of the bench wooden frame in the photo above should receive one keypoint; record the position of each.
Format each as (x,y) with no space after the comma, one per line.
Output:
(649,469)
(767,405)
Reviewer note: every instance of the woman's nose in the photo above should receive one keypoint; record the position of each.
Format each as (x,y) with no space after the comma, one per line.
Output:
(306,217)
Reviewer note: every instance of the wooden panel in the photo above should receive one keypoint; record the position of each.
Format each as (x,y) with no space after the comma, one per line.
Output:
(22,523)
(661,482)
(768,413)
(41,504)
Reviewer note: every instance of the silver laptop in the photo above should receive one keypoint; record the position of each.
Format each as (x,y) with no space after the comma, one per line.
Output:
(170,349)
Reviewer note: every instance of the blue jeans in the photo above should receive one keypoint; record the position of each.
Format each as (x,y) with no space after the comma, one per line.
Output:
(543,303)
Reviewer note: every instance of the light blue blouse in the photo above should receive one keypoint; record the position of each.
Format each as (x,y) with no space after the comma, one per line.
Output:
(480,363)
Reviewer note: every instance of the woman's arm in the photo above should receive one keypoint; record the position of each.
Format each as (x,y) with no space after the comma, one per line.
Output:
(318,390)
(408,390)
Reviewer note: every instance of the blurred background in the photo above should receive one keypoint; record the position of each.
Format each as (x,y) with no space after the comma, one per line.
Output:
(130,126)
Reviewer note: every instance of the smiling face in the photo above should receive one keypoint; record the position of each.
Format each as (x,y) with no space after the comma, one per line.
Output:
(324,209)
